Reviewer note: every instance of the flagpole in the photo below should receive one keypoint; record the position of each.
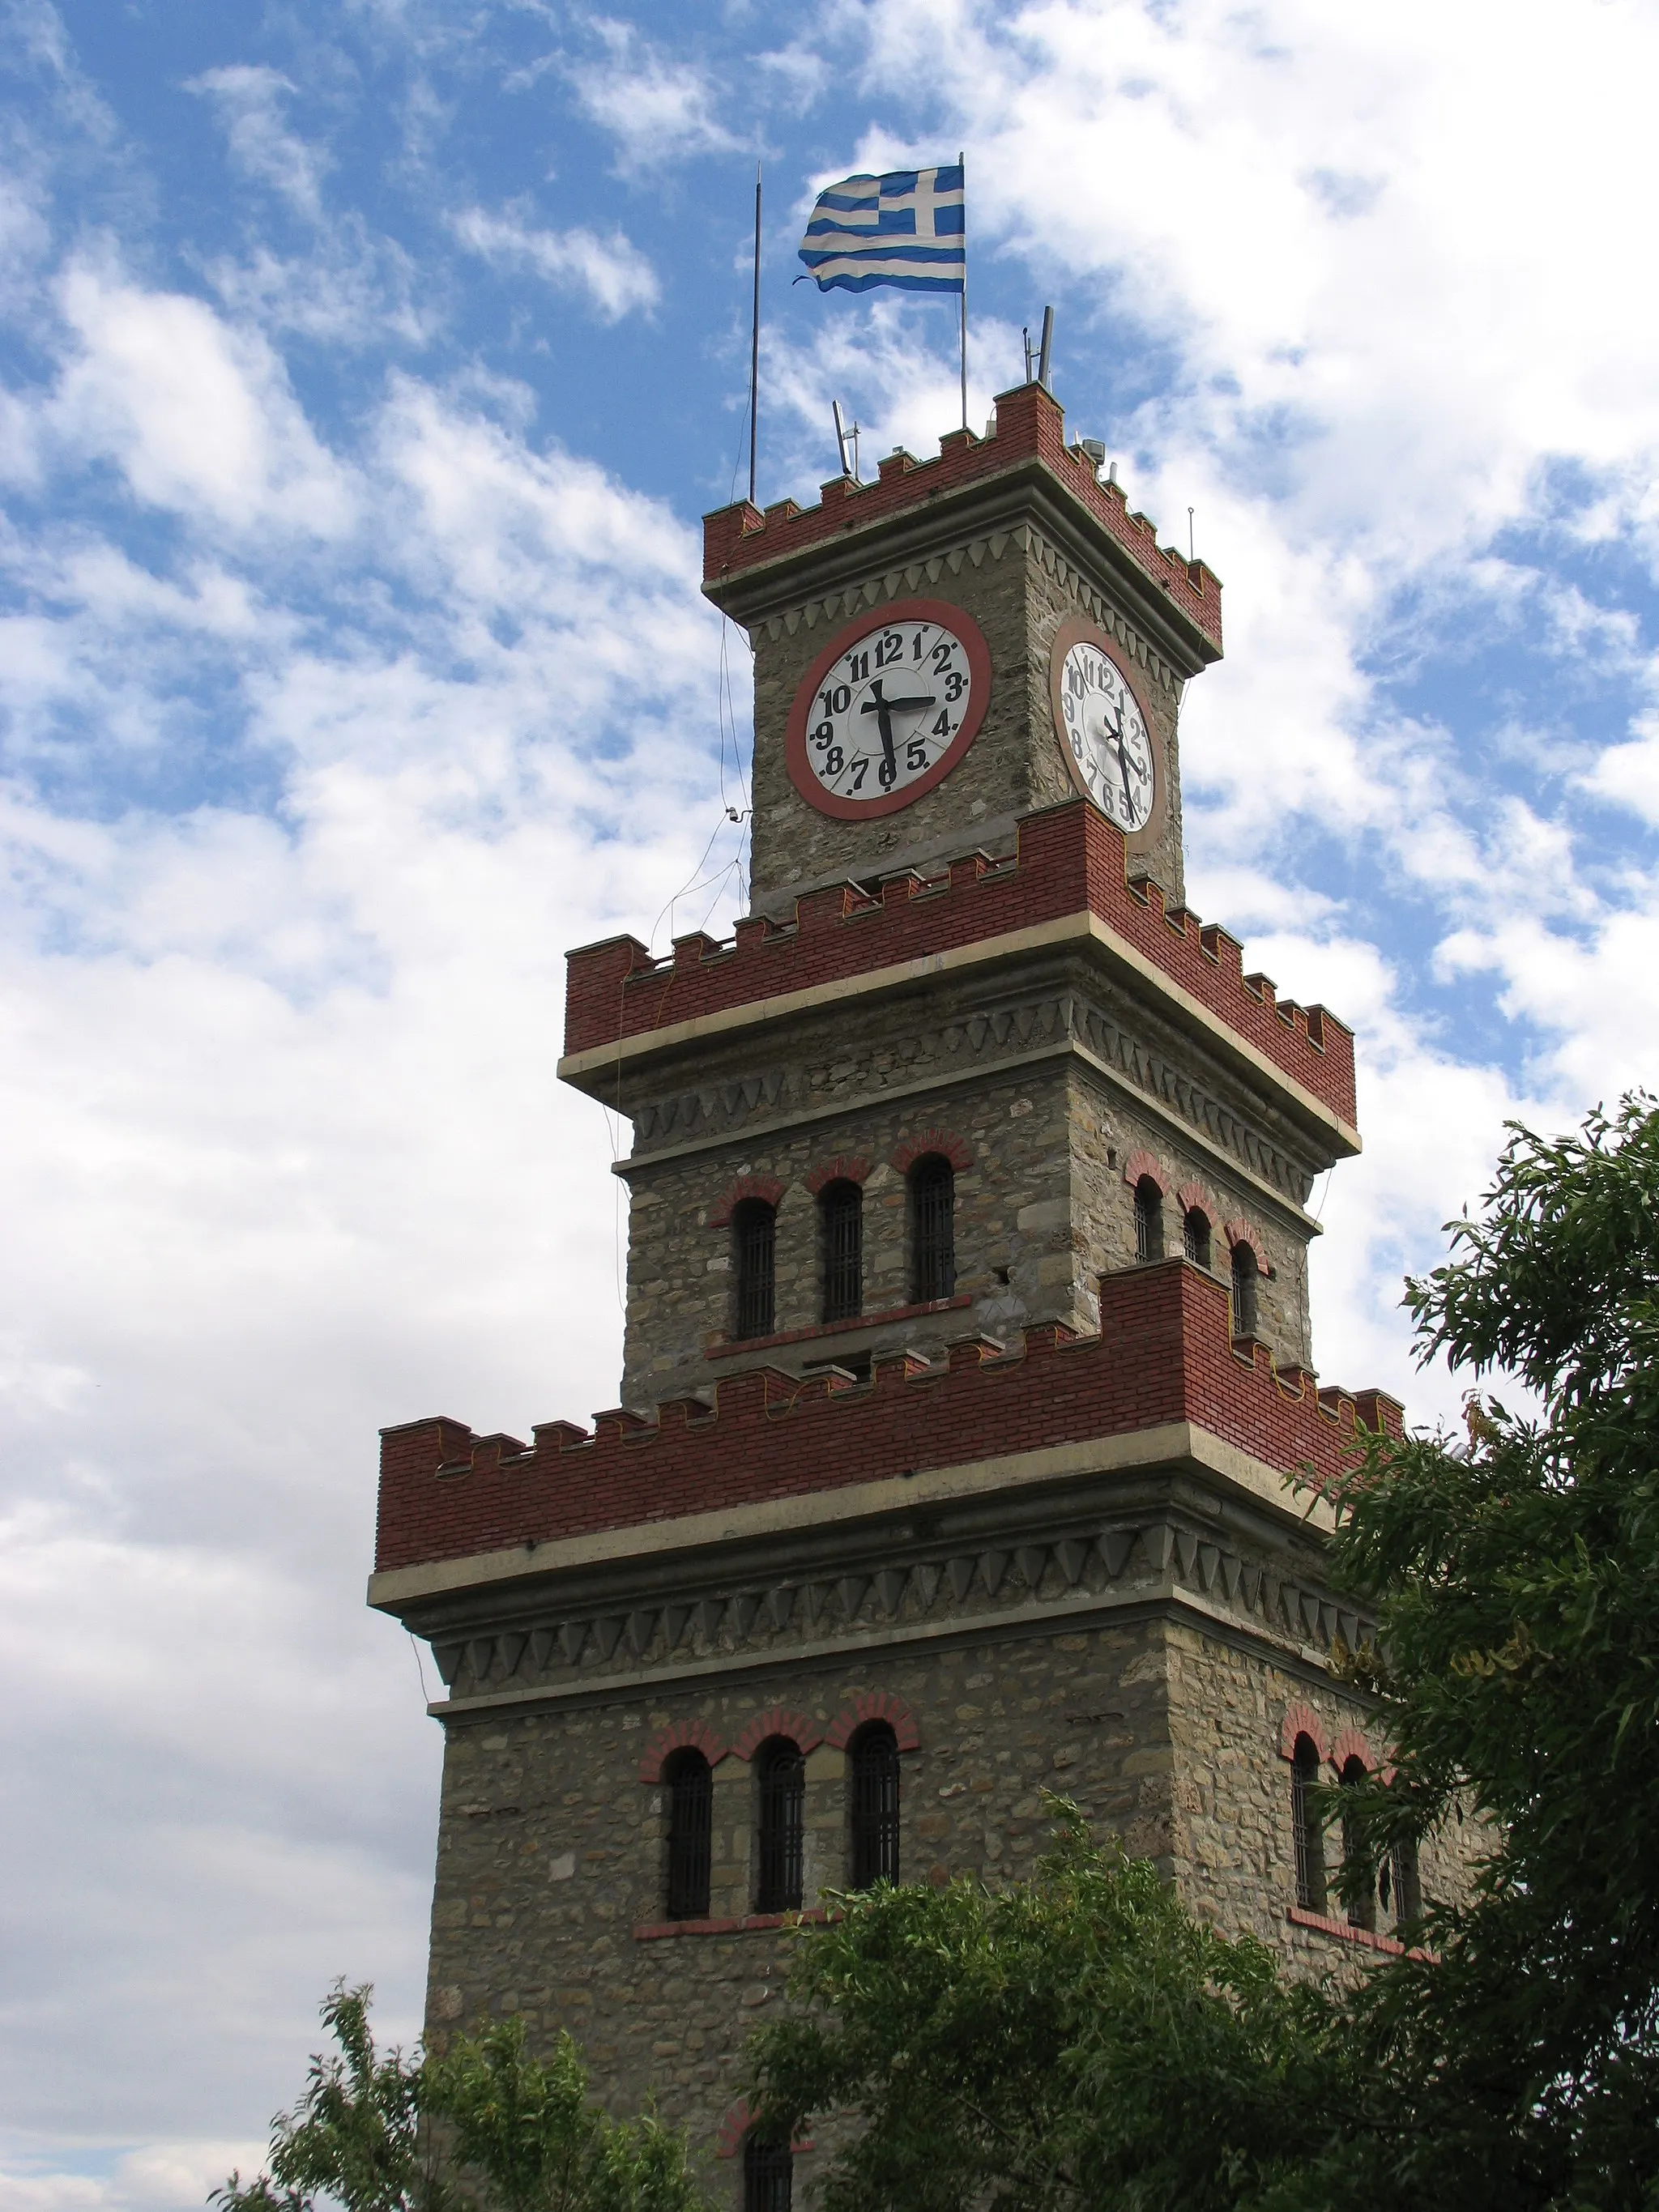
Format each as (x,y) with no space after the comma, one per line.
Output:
(754,345)
(962,163)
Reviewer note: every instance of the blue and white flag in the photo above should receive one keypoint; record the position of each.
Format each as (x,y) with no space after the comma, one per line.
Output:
(907,228)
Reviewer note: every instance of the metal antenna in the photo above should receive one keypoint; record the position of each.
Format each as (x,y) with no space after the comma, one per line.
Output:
(1191,553)
(1026,333)
(754,345)
(1044,352)
(842,440)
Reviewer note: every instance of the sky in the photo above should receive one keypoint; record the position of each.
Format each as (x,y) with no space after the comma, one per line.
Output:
(365,368)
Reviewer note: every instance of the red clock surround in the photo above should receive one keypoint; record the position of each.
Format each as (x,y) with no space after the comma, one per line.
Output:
(963,626)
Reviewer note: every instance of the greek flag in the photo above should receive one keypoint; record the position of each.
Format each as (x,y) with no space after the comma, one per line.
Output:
(906,228)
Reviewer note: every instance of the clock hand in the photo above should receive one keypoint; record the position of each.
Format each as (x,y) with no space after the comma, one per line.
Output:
(884,710)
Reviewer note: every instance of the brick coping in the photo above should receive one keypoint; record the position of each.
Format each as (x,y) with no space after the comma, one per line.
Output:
(1069,864)
(1367,1938)
(1030,428)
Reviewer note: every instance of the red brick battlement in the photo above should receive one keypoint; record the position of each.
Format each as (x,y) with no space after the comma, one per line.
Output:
(1164,1354)
(1030,427)
(1068,858)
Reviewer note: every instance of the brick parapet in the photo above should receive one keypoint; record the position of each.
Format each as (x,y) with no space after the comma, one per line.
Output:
(1030,427)
(1164,1355)
(1068,859)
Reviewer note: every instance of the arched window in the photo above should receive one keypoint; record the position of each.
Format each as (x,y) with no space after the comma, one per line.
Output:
(754,1241)
(1362,1902)
(781,1774)
(1305,1826)
(1400,1889)
(875,1806)
(769,2173)
(933,1189)
(1244,1274)
(1149,1220)
(840,1213)
(1195,1235)
(691,1784)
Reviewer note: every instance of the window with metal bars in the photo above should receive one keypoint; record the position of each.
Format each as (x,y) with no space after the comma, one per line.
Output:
(1400,1889)
(875,1806)
(691,1821)
(1244,1305)
(754,1236)
(781,1776)
(1310,1841)
(769,2175)
(1149,1220)
(1362,1901)
(933,1186)
(1195,1235)
(840,1212)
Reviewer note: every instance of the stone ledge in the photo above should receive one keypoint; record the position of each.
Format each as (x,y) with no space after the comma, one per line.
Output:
(1345,1932)
(733,1348)
(657,1931)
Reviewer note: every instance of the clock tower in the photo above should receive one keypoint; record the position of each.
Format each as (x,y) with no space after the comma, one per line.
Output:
(968,1371)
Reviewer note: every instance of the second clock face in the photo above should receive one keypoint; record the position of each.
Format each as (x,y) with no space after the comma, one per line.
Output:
(1111,750)
(888,709)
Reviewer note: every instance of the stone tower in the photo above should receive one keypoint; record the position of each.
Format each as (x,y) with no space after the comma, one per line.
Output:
(968,1349)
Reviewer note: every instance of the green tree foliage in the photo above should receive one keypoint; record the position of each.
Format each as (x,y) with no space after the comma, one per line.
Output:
(1078,2039)
(1075,2039)
(1516,1580)
(522,2132)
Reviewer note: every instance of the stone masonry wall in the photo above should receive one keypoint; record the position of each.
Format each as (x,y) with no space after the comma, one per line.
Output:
(1015,589)
(552,1850)
(1042,1209)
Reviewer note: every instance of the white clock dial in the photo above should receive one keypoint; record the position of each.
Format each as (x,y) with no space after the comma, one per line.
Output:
(1108,736)
(887,710)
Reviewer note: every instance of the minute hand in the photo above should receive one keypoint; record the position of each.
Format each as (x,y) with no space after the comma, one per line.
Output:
(884,710)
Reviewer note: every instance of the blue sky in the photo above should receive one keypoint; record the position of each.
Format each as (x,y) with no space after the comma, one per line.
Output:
(364,370)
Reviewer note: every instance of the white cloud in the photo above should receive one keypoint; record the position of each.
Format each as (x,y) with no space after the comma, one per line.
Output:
(658,108)
(614,275)
(251,101)
(198,414)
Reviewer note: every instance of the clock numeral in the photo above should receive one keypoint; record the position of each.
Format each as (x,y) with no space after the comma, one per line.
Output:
(955,685)
(942,653)
(837,697)
(915,757)
(860,768)
(922,629)
(834,761)
(942,727)
(887,774)
(824,734)
(890,649)
(857,667)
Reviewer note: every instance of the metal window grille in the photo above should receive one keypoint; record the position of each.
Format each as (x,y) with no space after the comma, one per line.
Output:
(690,1822)
(1362,1901)
(1149,1220)
(755,1232)
(842,1209)
(1304,1827)
(1399,1886)
(1195,1235)
(875,1807)
(769,2176)
(934,1230)
(1244,1309)
(782,1826)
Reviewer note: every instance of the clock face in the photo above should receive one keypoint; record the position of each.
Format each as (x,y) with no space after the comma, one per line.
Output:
(888,709)
(1109,749)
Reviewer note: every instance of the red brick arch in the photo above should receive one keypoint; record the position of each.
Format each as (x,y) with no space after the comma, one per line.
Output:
(778,1721)
(1352,1744)
(1142,1164)
(943,1141)
(697,1735)
(1192,1198)
(1240,1232)
(766,1187)
(875,1705)
(846,1167)
(1302,1720)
